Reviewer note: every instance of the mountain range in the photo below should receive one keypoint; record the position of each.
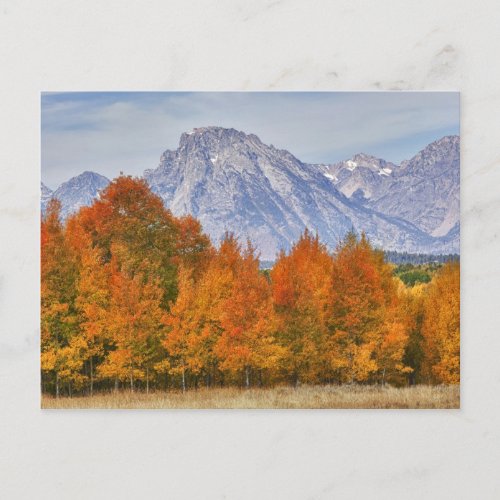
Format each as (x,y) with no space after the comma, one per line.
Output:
(75,193)
(232,181)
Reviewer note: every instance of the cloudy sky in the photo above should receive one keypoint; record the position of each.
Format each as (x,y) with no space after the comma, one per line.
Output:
(127,131)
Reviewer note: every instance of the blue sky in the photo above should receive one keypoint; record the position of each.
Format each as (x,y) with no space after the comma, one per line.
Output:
(109,132)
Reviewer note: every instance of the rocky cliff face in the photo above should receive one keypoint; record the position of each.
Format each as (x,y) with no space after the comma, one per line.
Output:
(231,181)
(362,177)
(426,189)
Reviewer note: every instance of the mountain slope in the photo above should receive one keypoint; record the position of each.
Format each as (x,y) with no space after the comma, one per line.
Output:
(45,195)
(77,192)
(233,182)
(362,177)
(426,189)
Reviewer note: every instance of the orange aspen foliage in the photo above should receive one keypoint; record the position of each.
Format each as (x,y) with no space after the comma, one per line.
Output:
(128,214)
(393,339)
(58,277)
(134,322)
(212,290)
(194,320)
(181,332)
(247,342)
(368,337)
(92,304)
(129,292)
(412,307)
(301,287)
(193,249)
(441,326)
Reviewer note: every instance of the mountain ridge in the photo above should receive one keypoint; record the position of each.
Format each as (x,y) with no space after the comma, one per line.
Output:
(232,181)
(76,192)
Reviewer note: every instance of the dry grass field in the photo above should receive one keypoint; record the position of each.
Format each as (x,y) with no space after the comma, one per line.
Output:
(278,397)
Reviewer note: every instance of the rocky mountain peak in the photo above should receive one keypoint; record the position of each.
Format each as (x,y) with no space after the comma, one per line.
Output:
(212,138)
(436,157)
(361,177)
(371,162)
(232,181)
(78,191)
(45,195)
(45,191)
(426,188)
(88,178)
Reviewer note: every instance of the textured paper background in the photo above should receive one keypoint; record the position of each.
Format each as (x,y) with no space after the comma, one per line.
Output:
(249,45)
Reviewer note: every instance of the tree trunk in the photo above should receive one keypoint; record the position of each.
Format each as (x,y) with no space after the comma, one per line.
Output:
(383,377)
(116,384)
(132,380)
(147,380)
(247,377)
(183,380)
(351,366)
(57,385)
(91,378)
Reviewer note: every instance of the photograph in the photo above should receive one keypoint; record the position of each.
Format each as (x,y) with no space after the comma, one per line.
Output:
(250,250)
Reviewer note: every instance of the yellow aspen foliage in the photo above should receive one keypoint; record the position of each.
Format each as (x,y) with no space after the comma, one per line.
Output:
(301,284)
(441,326)
(368,336)
(247,344)
(133,296)
(181,328)
(133,322)
(59,274)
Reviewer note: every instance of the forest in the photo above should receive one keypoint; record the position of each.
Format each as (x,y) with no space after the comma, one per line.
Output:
(402,258)
(134,298)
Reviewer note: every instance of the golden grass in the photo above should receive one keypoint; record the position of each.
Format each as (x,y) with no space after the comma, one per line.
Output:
(278,397)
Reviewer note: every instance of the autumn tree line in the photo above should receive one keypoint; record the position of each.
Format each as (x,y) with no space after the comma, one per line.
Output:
(133,297)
